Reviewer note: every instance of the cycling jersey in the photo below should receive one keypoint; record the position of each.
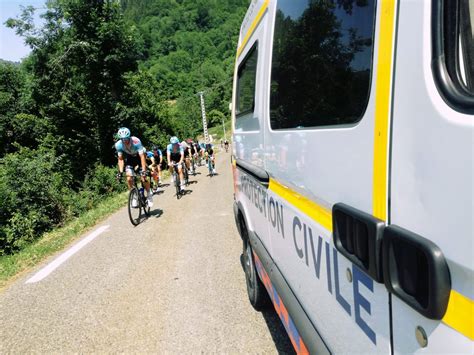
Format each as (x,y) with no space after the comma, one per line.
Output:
(186,151)
(175,154)
(135,147)
(170,149)
(151,154)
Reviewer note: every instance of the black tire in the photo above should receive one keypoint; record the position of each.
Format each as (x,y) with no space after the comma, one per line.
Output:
(256,291)
(209,167)
(134,213)
(186,175)
(144,206)
(178,190)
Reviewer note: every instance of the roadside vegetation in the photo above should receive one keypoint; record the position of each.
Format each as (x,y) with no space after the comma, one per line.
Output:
(96,66)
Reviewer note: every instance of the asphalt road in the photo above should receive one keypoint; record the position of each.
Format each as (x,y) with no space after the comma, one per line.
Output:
(173,284)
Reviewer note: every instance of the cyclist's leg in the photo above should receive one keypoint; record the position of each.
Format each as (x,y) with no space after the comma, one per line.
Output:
(146,184)
(154,172)
(171,169)
(130,163)
(181,175)
(129,173)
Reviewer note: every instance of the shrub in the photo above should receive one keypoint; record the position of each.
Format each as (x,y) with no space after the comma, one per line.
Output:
(102,181)
(32,191)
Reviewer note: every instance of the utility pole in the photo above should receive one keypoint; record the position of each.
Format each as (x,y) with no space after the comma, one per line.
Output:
(203,113)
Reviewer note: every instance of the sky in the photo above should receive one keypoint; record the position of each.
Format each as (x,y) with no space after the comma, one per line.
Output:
(11,46)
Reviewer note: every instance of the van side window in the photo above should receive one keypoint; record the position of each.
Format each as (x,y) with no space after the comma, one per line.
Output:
(246,77)
(322,62)
(453,52)
(466,33)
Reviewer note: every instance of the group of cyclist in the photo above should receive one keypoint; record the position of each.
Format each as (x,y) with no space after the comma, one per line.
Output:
(132,155)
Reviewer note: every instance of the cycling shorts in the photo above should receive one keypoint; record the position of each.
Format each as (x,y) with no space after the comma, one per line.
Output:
(131,162)
(175,157)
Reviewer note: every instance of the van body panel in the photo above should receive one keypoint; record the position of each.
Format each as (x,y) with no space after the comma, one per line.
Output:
(317,273)
(431,178)
(407,160)
(303,335)
(327,165)
(248,135)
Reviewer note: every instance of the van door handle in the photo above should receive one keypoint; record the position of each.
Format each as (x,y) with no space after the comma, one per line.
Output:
(416,271)
(258,173)
(358,236)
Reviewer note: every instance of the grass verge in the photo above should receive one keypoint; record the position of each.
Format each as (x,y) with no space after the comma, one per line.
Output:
(12,266)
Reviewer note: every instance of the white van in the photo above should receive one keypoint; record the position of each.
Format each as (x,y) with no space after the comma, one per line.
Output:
(353,129)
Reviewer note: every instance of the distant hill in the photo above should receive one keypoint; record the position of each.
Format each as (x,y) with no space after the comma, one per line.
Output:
(3,61)
(188,45)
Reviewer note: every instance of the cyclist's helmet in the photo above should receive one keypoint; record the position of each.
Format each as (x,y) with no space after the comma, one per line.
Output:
(154,148)
(174,140)
(123,133)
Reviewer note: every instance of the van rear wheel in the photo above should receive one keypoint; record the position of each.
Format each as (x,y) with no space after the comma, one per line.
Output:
(258,296)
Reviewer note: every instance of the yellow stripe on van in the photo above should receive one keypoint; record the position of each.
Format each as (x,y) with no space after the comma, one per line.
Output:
(460,314)
(252,27)
(382,109)
(320,214)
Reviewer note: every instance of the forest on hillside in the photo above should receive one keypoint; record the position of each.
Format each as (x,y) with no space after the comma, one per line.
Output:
(96,66)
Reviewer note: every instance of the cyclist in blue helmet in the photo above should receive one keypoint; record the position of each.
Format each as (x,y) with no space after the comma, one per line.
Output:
(155,159)
(210,155)
(130,156)
(175,155)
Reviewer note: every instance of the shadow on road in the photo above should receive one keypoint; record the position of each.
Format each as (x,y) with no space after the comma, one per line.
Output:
(156,213)
(277,331)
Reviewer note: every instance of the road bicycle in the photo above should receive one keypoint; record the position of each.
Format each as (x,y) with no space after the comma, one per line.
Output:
(177,181)
(185,174)
(193,165)
(210,166)
(137,202)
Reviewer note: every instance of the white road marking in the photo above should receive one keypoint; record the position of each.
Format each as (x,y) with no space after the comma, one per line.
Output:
(48,269)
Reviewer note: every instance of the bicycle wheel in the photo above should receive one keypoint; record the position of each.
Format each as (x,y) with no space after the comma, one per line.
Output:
(144,205)
(134,210)
(209,166)
(186,175)
(176,184)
